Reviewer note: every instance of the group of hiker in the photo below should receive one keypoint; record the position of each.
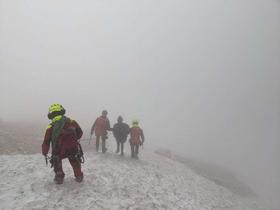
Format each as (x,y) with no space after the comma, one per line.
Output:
(63,134)
(121,130)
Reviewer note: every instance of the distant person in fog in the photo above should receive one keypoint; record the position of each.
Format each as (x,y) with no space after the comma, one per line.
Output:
(136,138)
(120,132)
(100,128)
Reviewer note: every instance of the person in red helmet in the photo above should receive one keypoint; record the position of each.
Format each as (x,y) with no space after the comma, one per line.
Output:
(100,128)
(63,134)
(136,138)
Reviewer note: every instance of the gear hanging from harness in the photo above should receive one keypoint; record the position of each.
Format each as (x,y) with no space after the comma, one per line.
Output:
(80,154)
(57,129)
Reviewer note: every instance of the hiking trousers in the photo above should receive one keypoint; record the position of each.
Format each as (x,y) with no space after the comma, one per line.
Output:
(76,165)
(103,138)
(134,150)
(120,143)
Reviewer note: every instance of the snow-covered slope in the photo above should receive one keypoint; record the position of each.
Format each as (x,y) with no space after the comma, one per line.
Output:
(112,182)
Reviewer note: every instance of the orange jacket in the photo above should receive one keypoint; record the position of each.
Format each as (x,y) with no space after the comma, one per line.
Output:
(67,141)
(100,126)
(136,134)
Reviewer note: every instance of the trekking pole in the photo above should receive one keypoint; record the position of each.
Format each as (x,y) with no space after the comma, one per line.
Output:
(46,158)
(89,139)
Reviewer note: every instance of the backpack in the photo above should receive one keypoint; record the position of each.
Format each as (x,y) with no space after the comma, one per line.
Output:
(121,130)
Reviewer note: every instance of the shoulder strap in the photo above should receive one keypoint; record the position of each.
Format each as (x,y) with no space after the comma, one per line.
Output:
(57,128)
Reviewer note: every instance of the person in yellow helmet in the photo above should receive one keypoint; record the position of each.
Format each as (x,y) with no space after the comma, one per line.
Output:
(136,138)
(63,134)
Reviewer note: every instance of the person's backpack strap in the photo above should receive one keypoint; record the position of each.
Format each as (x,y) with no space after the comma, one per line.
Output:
(57,129)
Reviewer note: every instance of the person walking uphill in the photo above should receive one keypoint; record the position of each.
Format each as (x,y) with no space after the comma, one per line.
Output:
(136,138)
(100,128)
(63,134)
(120,132)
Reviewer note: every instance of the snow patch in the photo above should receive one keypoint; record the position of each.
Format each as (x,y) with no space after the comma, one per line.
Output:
(112,182)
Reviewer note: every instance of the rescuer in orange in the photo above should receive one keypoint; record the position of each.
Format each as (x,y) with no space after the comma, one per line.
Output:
(100,128)
(63,135)
(136,138)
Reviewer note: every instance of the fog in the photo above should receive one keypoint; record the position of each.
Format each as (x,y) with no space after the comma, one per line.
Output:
(201,76)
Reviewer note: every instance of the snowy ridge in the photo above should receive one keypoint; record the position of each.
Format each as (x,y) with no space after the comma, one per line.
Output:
(112,182)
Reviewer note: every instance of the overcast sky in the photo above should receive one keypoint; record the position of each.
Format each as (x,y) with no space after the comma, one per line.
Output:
(201,76)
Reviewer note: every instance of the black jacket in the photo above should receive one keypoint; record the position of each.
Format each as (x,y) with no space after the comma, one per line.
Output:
(121,131)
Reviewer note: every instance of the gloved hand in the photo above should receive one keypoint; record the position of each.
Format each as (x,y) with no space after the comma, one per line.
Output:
(45,149)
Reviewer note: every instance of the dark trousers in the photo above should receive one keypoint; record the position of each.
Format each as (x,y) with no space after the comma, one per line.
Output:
(120,143)
(134,150)
(103,138)
(76,165)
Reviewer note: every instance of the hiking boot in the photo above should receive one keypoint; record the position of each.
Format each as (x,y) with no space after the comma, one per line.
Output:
(58,179)
(79,178)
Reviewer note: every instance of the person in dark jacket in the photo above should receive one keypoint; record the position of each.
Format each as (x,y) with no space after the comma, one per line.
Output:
(100,127)
(120,132)
(63,134)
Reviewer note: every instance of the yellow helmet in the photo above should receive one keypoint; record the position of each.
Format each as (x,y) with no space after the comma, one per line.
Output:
(135,122)
(54,110)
